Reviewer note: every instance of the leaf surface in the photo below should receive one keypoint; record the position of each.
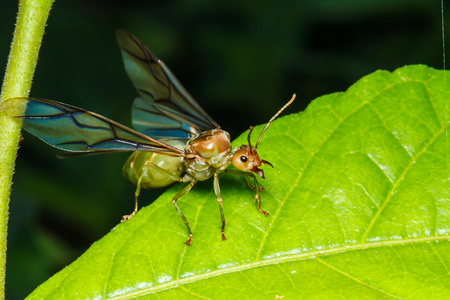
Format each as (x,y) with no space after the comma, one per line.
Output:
(358,200)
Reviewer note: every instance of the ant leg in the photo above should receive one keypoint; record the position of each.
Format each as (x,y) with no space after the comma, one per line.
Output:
(257,188)
(136,196)
(257,197)
(139,183)
(251,186)
(181,193)
(219,200)
(246,174)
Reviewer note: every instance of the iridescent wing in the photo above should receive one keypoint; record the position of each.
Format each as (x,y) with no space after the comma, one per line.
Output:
(164,109)
(73,129)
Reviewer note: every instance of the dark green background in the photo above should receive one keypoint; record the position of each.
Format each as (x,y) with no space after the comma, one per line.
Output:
(241,61)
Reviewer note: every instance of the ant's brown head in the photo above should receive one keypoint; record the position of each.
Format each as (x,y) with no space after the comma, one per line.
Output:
(246,158)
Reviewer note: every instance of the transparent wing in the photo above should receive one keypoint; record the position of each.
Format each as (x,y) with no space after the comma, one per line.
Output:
(164,109)
(70,128)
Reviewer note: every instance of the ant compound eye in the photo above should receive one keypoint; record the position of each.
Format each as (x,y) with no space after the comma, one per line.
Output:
(241,160)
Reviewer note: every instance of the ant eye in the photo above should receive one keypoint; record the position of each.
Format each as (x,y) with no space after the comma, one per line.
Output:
(244,158)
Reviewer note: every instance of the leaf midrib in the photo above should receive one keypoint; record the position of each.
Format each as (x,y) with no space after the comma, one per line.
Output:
(275,261)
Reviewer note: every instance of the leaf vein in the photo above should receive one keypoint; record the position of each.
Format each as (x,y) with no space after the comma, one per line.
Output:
(397,183)
(380,167)
(354,278)
(288,276)
(390,131)
(440,257)
(432,103)
(192,293)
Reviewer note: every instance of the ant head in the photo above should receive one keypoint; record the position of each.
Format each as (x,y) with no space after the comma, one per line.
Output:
(246,158)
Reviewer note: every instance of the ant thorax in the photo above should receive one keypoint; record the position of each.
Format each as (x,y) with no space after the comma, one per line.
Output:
(208,153)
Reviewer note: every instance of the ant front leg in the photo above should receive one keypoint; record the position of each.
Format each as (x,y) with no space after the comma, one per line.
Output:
(257,188)
(251,186)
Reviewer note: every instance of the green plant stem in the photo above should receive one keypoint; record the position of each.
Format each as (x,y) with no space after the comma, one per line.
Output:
(28,33)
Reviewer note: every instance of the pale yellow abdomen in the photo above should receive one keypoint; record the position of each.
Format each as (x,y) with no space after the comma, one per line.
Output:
(144,164)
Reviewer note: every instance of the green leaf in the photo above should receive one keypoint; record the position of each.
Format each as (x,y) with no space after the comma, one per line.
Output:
(358,200)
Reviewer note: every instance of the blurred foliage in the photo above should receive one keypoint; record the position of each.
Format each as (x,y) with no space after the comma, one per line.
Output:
(241,61)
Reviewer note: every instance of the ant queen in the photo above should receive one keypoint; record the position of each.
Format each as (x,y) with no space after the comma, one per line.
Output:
(175,139)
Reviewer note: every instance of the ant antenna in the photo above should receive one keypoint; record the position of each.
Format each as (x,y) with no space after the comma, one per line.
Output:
(270,121)
(248,137)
